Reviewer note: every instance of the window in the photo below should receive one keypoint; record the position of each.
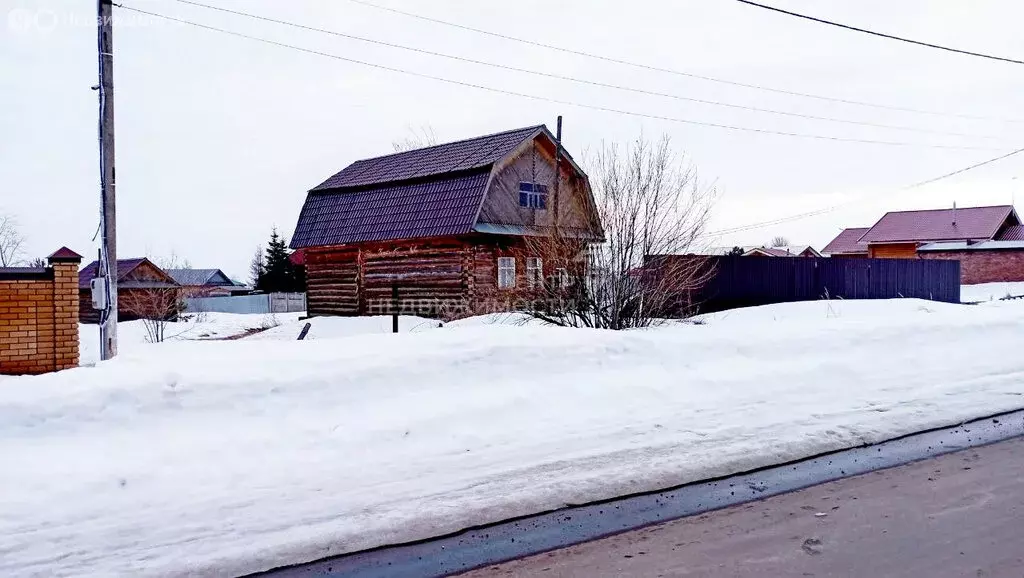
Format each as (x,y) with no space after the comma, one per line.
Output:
(563,278)
(506,272)
(533,195)
(534,272)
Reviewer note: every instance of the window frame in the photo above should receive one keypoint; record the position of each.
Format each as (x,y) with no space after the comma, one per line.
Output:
(506,266)
(533,195)
(534,272)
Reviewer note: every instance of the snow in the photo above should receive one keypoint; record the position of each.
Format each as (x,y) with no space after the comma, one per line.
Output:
(990,291)
(229,457)
(131,335)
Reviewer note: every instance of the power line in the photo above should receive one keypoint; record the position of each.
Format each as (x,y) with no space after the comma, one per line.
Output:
(544,98)
(880,34)
(677,72)
(576,79)
(829,209)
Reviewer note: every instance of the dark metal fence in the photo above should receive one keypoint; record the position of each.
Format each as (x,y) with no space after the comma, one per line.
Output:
(747,281)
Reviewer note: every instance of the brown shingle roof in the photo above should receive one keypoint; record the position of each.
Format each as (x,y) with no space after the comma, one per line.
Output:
(975,223)
(429,192)
(847,242)
(463,155)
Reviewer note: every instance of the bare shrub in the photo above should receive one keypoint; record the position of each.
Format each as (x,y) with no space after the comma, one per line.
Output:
(419,138)
(650,203)
(156,308)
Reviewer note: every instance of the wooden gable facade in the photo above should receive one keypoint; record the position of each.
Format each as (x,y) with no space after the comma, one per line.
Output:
(143,290)
(464,254)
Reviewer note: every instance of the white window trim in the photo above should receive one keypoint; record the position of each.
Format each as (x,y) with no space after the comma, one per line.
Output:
(534,272)
(506,272)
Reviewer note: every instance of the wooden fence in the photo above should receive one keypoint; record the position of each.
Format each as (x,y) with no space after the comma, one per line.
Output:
(748,281)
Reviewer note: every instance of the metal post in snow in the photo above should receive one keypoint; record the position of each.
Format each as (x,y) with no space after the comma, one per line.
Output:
(394,308)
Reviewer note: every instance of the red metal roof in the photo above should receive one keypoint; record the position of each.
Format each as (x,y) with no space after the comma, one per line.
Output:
(463,155)
(1012,233)
(847,242)
(976,223)
(64,253)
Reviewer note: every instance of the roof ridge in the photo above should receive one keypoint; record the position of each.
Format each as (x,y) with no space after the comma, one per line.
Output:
(444,144)
(950,209)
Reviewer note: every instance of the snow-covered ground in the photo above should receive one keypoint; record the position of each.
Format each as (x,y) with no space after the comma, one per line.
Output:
(990,291)
(132,335)
(228,457)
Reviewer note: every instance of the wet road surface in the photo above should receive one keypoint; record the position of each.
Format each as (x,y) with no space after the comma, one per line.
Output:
(959,515)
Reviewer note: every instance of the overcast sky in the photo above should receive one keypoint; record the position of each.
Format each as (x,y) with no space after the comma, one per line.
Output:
(219,138)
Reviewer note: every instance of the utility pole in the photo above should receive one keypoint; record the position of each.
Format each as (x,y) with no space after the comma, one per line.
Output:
(558,159)
(108,218)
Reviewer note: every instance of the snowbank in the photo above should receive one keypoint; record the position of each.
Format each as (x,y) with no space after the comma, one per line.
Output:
(228,457)
(335,327)
(131,335)
(990,291)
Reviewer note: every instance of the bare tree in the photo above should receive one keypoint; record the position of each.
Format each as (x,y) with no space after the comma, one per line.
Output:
(38,263)
(11,242)
(155,307)
(419,138)
(257,267)
(650,203)
(779,241)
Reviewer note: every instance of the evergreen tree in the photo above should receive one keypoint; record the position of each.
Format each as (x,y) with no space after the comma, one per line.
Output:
(735,252)
(279,273)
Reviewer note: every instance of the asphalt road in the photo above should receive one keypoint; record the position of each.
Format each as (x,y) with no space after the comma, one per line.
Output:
(961,514)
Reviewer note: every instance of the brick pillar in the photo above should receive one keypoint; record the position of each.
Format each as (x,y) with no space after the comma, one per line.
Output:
(65,308)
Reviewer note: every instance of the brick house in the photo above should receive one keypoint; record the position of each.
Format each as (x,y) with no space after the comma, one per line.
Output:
(988,241)
(447,225)
(143,291)
(39,316)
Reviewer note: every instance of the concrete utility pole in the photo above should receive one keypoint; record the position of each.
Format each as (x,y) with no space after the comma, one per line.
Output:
(108,223)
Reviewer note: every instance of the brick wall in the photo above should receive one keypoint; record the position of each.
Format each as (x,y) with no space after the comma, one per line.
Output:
(39,318)
(984,266)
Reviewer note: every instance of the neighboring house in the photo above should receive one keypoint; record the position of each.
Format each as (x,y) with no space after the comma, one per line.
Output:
(899,234)
(847,244)
(206,282)
(787,251)
(447,225)
(143,291)
(988,241)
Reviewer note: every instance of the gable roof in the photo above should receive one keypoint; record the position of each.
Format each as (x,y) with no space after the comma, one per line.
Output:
(199,277)
(430,192)
(464,155)
(124,268)
(940,224)
(1012,233)
(768,252)
(847,242)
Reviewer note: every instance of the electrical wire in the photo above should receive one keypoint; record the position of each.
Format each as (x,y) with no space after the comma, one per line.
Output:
(654,68)
(880,34)
(576,79)
(548,99)
(822,211)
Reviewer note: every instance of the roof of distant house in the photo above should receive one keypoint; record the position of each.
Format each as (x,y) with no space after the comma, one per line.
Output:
(1012,233)
(783,251)
(429,192)
(976,223)
(124,267)
(200,277)
(847,242)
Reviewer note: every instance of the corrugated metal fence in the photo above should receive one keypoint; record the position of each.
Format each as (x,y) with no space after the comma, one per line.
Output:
(265,303)
(747,281)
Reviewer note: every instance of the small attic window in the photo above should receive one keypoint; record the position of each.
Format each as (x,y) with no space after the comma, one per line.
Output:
(533,195)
